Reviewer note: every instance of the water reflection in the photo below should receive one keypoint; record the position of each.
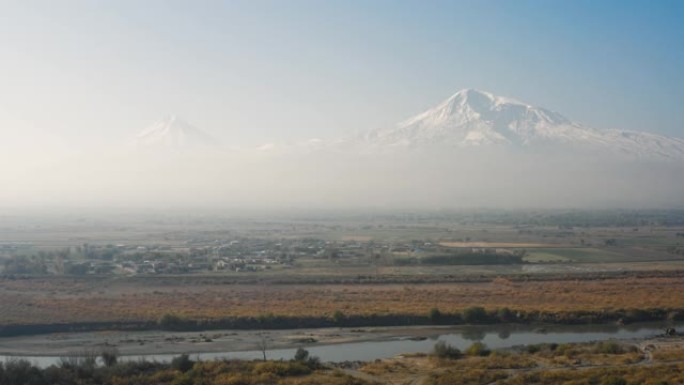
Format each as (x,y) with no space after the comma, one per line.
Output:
(474,334)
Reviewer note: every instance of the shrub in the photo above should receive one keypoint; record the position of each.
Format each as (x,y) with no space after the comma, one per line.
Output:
(478,349)
(109,356)
(435,315)
(338,316)
(170,321)
(127,369)
(505,314)
(444,350)
(281,369)
(182,363)
(21,372)
(475,314)
(609,347)
(313,362)
(301,355)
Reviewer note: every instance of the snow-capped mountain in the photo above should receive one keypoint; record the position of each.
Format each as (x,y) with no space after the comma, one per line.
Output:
(476,118)
(172,133)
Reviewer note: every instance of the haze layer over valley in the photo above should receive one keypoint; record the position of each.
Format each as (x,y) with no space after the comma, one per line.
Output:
(474,149)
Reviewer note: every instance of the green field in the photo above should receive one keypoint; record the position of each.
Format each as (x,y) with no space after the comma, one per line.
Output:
(537,256)
(586,255)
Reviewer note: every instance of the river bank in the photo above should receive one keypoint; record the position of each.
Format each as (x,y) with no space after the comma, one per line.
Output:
(329,344)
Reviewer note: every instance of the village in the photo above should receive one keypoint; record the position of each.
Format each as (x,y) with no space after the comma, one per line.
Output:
(245,255)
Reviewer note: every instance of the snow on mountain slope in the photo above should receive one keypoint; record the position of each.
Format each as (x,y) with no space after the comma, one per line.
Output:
(476,118)
(172,133)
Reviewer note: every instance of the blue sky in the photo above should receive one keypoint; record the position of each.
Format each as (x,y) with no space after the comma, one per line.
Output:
(256,71)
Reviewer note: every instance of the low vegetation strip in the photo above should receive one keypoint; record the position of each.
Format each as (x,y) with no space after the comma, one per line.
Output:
(472,315)
(182,370)
(511,245)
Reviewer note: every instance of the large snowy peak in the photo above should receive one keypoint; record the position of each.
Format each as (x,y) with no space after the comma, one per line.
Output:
(467,106)
(477,118)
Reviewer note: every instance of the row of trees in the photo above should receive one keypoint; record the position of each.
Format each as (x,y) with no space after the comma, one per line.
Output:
(476,315)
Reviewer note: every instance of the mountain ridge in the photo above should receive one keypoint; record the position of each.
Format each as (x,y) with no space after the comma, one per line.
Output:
(472,117)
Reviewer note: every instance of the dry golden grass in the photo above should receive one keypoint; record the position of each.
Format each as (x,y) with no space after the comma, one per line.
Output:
(49,300)
(605,353)
(496,360)
(577,364)
(643,375)
(669,353)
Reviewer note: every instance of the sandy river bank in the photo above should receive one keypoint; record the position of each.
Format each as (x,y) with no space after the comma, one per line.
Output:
(165,342)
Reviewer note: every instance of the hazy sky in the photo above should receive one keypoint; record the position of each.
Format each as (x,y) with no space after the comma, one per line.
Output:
(256,71)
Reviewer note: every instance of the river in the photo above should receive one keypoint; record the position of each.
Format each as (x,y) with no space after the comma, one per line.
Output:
(494,336)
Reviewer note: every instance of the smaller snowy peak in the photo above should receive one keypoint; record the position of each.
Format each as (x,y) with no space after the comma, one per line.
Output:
(172,133)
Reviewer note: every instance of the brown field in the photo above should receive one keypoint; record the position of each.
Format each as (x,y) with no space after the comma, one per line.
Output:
(504,245)
(60,300)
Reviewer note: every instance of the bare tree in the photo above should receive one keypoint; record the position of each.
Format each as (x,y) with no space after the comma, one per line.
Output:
(263,344)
